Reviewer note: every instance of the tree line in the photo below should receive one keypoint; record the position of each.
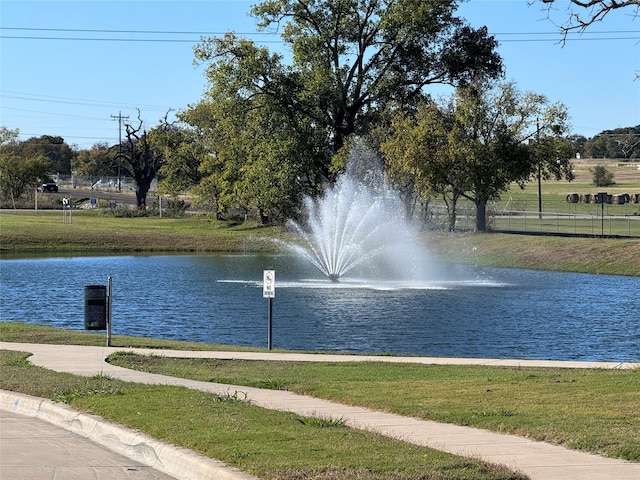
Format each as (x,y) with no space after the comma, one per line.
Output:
(268,131)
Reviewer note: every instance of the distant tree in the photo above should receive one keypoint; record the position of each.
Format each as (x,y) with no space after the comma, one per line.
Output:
(18,173)
(602,177)
(8,136)
(580,14)
(627,144)
(623,143)
(578,143)
(97,161)
(599,147)
(54,148)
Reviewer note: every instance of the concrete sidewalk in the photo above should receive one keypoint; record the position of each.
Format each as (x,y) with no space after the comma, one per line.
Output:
(539,460)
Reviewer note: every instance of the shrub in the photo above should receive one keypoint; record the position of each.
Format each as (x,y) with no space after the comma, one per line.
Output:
(601,176)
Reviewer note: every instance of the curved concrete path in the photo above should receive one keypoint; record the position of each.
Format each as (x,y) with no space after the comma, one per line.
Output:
(540,461)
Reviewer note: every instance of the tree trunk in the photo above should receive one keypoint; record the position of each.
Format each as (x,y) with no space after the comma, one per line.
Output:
(142,188)
(452,209)
(481,215)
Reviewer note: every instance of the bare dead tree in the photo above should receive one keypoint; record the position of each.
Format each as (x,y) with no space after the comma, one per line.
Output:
(142,161)
(627,144)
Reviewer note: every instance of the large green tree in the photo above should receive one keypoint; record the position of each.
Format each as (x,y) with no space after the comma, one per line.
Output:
(417,160)
(182,153)
(18,173)
(349,60)
(256,156)
(484,148)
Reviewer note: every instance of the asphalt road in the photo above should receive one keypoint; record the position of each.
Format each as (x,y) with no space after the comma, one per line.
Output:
(118,197)
(34,449)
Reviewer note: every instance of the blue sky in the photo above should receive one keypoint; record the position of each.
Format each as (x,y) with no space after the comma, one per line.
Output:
(71,88)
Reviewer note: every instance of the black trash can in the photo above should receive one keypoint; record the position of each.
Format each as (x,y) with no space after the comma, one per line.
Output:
(95,307)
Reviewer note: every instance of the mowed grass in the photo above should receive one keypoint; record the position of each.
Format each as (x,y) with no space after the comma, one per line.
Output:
(517,209)
(24,332)
(554,193)
(593,410)
(94,231)
(265,443)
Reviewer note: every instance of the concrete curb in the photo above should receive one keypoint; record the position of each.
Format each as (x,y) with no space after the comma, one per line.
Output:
(181,463)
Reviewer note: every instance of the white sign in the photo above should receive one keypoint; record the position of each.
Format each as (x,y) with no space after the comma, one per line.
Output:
(269,287)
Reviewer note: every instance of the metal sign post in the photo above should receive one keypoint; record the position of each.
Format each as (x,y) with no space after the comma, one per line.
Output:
(602,199)
(67,206)
(269,291)
(109,311)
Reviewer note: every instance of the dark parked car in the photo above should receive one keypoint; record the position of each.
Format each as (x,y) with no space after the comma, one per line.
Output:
(50,186)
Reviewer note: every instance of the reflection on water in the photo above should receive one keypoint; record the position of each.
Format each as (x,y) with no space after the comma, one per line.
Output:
(466,311)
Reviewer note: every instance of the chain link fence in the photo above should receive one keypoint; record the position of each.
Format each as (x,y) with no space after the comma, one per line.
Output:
(594,220)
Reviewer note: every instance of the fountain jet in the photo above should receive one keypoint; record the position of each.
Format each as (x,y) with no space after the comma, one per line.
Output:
(357,221)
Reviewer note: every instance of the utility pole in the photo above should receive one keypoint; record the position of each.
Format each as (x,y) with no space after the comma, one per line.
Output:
(120,118)
(539,169)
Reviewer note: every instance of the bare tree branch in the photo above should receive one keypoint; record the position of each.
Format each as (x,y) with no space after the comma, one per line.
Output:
(583,13)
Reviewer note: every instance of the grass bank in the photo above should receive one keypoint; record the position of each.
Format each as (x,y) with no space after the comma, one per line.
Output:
(613,256)
(31,233)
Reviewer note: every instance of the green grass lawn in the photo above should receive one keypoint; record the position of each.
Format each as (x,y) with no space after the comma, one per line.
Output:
(592,410)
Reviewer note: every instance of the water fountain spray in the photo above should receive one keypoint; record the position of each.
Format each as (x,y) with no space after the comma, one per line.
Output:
(356,221)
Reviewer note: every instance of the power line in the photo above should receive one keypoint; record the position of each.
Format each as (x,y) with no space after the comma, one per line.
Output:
(556,40)
(22,134)
(176,32)
(96,39)
(9,94)
(56,114)
(167,40)
(155,32)
(536,36)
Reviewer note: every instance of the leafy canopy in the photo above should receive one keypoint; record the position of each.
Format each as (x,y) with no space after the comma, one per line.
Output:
(350,60)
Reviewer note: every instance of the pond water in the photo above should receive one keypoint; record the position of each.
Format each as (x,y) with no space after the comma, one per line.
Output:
(459,311)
